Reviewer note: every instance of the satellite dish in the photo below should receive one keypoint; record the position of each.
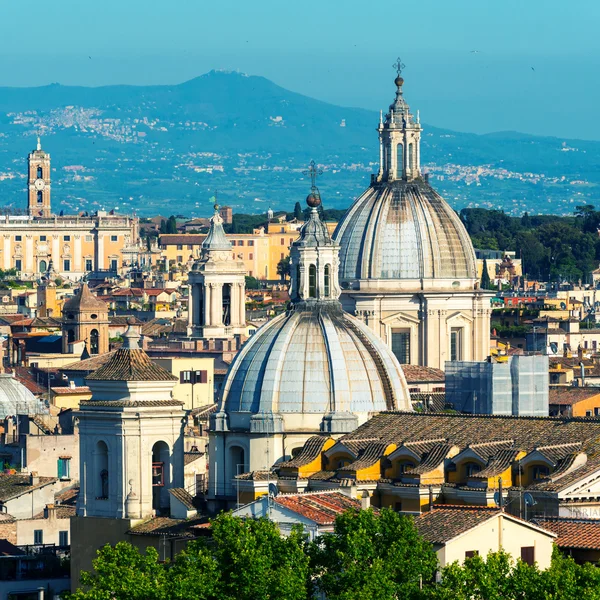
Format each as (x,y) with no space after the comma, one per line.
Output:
(529,499)
(273,490)
(497,500)
(563,306)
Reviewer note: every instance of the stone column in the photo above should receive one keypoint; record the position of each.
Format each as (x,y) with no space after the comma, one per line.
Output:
(380,154)
(217,304)
(77,254)
(234,299)
(56,252)
(242,304)
(100,252)
(28,254)
(6,250)
(207,304)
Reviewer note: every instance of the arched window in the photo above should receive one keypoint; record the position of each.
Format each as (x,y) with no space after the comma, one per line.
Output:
(297,289)
(472,468)
(70,336)
(312,281)
(43,266)
(410,157)
(40,198)
(40,174)
(102,470)
(161,475)
(226,304)
(399,160)
(236,466)
(327,281)
(94,344)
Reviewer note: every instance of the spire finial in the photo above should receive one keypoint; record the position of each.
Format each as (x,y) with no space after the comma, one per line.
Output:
(314,198)
(131,337)
(399,65)
(39,143)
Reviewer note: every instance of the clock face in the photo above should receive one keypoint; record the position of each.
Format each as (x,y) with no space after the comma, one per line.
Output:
(39,184)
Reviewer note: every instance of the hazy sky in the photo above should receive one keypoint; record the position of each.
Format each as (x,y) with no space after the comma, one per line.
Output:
(535,69)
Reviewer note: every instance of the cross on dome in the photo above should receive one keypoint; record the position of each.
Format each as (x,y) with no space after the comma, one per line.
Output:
(399,65)
(313,172)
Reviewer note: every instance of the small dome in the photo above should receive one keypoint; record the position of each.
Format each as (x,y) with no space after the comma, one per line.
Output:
(15,398)
(315,360)
(403,230)
(84,301)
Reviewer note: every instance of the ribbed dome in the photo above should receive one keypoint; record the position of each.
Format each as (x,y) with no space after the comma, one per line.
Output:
(315,360)
(15,398)
(403,230)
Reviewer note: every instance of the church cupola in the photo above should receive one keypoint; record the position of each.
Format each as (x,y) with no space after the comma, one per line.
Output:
(217,287)
(314,255)
(399,138)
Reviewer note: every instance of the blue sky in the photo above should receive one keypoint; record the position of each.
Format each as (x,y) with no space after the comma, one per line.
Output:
(535,69)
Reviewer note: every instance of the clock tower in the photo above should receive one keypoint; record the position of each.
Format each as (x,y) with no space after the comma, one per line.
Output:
(38,183)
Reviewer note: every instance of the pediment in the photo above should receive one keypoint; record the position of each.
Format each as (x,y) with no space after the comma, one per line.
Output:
(401,317)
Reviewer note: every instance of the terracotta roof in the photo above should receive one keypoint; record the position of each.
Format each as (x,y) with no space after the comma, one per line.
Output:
(13,486)
(415,374)
(257,476)
(124,320)
(8,549)
(67,497)
(171,239)
(183,496)
(61,512)
(431,401)
(84,300)
(204,411)
(367,457)
(131,365)
(130,403)
(432,459)
(320,507)
(444,523)
(81,389)
(89,364)
(497,465)
(310,451)
(573,533)
(571,395)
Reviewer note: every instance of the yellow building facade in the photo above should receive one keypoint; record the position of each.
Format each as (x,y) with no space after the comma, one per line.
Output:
(260,251)
(76,245)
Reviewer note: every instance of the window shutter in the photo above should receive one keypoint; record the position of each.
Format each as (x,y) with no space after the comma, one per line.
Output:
(61,471)
(528,554)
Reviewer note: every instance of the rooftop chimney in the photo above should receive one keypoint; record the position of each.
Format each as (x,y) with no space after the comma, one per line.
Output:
(33,478)
(365,500)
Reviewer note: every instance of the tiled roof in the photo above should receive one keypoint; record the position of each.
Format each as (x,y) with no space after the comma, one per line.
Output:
(8,549)
(418,374)
(556,452)
(204,411)
(432,459)
(497,465)
(430,401)
(90,364)
(257,476)
(131,365)
(79,389)
(367,457)
(84,300)
(320,507)
(323,475)
(61,512)
(170,239)
(571,395)
(130,403)
(164,526)
(67,497)
(124,320)
(183,496)
(573,533)
(310,451)
(190,457)
(443,524)
(486,434)
(13,486)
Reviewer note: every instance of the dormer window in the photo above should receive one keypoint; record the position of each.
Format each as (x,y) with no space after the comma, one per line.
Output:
(471,469)
(540,472)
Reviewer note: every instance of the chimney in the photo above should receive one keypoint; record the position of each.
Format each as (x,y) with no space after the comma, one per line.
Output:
(72,385)
(50,512)
(365,500)
(33,478)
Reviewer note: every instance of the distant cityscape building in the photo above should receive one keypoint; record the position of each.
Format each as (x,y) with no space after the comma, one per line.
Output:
(517,387)
(407,264)
(75,244)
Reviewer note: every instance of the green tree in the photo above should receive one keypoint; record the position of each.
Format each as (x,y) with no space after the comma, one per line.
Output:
(486,282)
(123,573)
(252,283)
(372,556)
(256,562)
(172,224)
(163,226)
(298,214)
(283,268)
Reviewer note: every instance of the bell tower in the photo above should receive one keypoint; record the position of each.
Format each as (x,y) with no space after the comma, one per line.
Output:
(399,138)
(38,183)
(217,284)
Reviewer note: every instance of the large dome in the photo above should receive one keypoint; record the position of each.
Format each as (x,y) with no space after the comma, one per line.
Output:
(16,399)
(315,360)
(403,230)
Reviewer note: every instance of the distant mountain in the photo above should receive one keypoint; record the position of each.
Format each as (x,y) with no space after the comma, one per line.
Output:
(147,147)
